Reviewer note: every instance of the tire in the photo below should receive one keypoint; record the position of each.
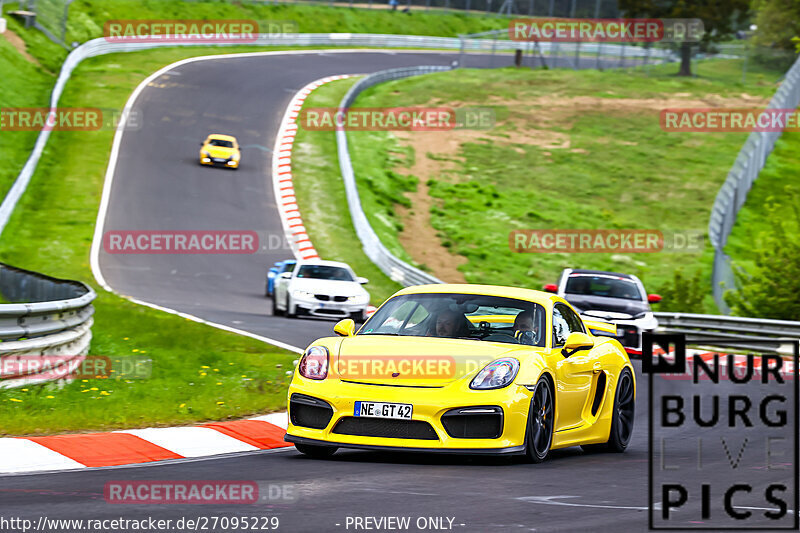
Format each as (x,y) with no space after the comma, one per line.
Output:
(358,316)
(266,291)
(541,416)
(289,313)
(622,420)
(275,310)
(317,452)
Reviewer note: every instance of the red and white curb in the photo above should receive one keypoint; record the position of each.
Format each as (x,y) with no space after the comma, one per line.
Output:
(289,211)
(285,199)
(91,450)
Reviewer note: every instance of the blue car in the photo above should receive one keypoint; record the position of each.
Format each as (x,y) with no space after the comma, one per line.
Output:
(279,268)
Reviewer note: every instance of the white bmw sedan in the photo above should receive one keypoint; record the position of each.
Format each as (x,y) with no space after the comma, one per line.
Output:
(320,288)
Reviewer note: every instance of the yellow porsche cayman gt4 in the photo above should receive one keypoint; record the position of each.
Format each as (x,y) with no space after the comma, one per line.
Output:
(220,150)
(464,369)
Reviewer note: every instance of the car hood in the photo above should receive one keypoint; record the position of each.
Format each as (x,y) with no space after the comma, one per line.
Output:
(601,304)
(219,151)
(327,286)
(416,361)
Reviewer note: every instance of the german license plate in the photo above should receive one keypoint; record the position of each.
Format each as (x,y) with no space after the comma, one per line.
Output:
(402,411)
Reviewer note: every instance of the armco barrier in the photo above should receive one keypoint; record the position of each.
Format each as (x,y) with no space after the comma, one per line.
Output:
(732,195)
(393,267)
(101,46)
(54,317)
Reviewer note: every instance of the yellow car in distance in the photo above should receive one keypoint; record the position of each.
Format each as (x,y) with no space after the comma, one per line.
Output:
(220,150)
(464,369)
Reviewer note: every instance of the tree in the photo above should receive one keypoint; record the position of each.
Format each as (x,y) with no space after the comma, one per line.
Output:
(778,21)
(772,288)
(720,18)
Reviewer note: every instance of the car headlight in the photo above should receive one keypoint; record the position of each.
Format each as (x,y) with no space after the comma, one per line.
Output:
(361,298)
(314,364)
(496,375)
(302,294)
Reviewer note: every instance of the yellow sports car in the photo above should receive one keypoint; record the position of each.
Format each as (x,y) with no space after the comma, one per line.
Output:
(464,369)
(222,150)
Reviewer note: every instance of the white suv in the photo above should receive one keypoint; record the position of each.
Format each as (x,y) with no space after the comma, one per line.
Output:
(613,297)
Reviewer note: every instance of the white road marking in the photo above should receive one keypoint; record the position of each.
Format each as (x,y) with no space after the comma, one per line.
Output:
(192,441)
(28,456)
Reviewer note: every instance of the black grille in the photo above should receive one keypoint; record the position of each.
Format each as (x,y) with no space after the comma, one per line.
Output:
(340,298)
(309,412)
(322,297)
(480,422)
(629,337)
(385,427)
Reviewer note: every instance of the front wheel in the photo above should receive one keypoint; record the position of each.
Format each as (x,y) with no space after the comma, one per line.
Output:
(317,452)
(275,310)
(289,312)
(541,416)
(622,418)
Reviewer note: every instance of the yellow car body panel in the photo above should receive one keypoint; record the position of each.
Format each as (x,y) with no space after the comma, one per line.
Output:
(224,155)
(575,378)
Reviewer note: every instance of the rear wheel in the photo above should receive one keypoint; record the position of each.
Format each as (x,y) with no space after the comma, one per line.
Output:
(622,419)
(317,452)
(275,310)
(541,416)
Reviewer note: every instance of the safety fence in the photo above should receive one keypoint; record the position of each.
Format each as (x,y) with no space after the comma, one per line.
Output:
(46,316)
(731,197)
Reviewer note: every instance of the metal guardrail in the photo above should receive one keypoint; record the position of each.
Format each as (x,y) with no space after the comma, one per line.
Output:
(393,267)
(47,317)
(758,334)
(731,197)
(101,46)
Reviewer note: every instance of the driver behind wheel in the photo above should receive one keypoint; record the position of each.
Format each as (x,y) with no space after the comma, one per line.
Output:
(523,328)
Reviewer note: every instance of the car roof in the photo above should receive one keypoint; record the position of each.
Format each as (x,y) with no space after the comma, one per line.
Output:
(221,137)
(589,272)
(324,263)
(540,297)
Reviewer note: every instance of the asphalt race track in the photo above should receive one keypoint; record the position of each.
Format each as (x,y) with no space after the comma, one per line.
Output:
(572,491)
(159,185)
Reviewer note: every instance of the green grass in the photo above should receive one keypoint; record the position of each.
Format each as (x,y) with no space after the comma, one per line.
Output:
(626,172)
(778,177)
(23,85)
(320,191)
(51,232)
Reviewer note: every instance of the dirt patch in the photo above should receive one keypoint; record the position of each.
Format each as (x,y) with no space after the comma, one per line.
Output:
(418,237)
(17,42)
(528,125)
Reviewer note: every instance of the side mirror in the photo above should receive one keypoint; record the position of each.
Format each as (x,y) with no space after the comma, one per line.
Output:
(345,328)
(273,270)
(362,281)
(577,341)
(653,298)
(551,287)
(286,275)
(201,144)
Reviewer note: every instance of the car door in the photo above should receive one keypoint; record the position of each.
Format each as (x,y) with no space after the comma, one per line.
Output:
(574,373)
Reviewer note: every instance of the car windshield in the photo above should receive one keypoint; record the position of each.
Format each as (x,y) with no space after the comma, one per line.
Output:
(221,143)
(324,272)
(460,316)
(603,285)
(288,266)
